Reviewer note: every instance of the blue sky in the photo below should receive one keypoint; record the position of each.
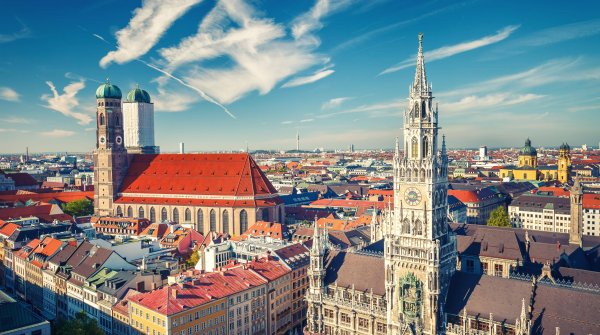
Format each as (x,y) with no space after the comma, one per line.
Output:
(223,73)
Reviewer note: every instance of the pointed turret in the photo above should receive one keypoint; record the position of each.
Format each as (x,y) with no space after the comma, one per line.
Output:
(420,86)
(522,324)
(576,229)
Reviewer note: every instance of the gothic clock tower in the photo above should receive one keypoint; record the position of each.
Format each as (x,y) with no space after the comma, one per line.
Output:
(420,251)
(110,156)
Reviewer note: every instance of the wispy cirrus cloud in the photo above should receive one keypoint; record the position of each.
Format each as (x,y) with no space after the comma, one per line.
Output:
(451,50)
(334,102)
(16,120)
(8,94)
(559,34)
(259,52)
(475,103)
(373,110)
(297,122)
(58,133)
(24,32)
(299,81)
(553,71)
(66,103)
(145,28)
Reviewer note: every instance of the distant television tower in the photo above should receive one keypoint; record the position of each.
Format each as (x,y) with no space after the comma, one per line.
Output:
(297,140)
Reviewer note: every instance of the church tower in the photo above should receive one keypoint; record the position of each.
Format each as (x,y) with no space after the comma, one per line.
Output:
(576,228)
(316,277)
(564,163)
(420,251)
(138,122)
(110,156)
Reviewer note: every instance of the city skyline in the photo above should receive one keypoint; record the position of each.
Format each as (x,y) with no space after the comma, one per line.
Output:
(513,77)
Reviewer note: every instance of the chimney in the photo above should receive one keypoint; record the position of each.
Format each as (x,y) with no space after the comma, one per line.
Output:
(181,148)
(174,293)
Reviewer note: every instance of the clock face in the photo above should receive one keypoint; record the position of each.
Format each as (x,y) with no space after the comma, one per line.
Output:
(412,196)
(119,140)
(102,139)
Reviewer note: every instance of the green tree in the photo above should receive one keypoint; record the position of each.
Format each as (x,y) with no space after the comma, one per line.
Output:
(194,258)
(80,207)
(80,325)
(499,218)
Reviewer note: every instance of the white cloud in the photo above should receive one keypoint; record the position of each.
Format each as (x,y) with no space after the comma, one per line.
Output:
(451,50)
(24,32)
(15,120)
(553,71)
(172,101)
(7,130)
(335,102)
(58,133)
(374,109)
(67,103)
(306,120)
(287,122)
(8,94)
(298,81)
(257,53)
(561,33)
(474,103)
(145,28)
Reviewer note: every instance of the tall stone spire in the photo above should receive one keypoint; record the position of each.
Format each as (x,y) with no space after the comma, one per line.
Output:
(576,229)
(420,86)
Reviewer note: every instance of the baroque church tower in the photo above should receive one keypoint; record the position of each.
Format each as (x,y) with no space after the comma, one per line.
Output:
(110,156)
(420,251)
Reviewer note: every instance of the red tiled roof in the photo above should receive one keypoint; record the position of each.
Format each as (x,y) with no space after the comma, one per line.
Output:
(197,174)
(556,191)
(264,228)
(591,201)
(8,229)
(199,202)
(464,195)
(348,203)
(13,197)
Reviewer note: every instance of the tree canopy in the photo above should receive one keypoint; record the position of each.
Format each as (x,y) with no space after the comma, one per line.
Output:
(194,258)
(499,218)
(80,207)
(80,325)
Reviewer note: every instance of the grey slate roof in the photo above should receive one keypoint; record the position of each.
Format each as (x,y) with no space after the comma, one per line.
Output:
(366,272)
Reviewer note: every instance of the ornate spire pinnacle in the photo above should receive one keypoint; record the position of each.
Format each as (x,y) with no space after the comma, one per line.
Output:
(523,310)
(316,244)
(420,84)
(397,146)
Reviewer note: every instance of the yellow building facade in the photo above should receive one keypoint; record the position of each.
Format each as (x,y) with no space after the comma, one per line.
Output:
(528,168)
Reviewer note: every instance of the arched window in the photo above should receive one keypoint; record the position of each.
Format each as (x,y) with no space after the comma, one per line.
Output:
(152,215)
(117,123)
(416,110)
(176,215)
(423,109)
(213,220)
(141,212)
(187,215)
(243,221)
(225,221)
(414,151)
(406,227)
(265,215)
(200,222)
(418,228)
(163,214)
(119,211)
(425,147)
(129,212)
(101,119)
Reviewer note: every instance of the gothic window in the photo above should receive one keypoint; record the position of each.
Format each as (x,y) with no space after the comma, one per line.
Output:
(117,120)
(243,221)
(213,220)
(422,174)
(423,109)
(416,110)
(188,215)
(175,215)
(163,214)
(129,212)
(200,222)
(225,221)
(101,119)
(406,226)
(425,147)
(141,212)
(414,151)
(418,228)
(119,211)
(152,215)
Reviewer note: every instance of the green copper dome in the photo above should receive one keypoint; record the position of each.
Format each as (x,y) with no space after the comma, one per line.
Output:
(108,91)
(138,95)
(565,146)
(528,150)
